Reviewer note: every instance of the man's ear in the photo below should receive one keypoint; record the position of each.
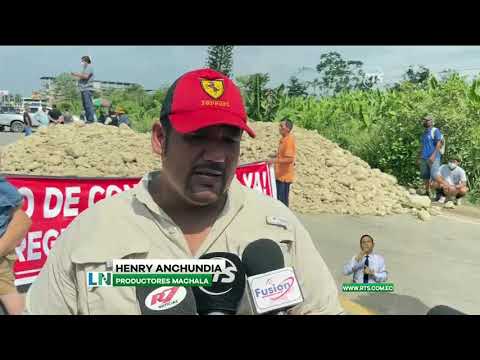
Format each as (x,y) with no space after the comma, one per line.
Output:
(158,138)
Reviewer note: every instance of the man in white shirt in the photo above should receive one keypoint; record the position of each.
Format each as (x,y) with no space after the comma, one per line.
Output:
(366,267)
(451,181)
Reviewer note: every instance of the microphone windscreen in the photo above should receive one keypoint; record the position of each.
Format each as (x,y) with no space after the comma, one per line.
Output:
(262,256)
(227,288)
(444,310)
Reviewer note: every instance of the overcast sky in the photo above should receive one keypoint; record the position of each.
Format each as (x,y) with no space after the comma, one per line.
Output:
(153,66)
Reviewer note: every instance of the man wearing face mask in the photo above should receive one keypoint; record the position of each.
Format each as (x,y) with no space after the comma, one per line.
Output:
(193,206)
(85,84)
(429,156)
(451,181)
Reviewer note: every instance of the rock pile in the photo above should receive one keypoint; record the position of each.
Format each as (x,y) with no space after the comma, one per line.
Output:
(329,179)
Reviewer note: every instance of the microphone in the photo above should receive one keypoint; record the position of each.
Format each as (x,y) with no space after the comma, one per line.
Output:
(226,292)
(273,287)
(444,310)
(166,300)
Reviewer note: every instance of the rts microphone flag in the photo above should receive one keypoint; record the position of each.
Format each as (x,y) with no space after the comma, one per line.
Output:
(228,287)
(273,287)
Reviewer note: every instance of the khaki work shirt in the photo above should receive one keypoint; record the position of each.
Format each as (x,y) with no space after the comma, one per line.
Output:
(131,225)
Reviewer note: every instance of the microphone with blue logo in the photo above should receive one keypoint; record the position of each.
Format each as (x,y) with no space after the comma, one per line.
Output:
(227,290)
(273,288)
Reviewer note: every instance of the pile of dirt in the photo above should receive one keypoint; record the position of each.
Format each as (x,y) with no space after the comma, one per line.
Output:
(329,179)
(77,149)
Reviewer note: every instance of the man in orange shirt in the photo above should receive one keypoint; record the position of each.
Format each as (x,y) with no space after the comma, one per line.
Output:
(285,161)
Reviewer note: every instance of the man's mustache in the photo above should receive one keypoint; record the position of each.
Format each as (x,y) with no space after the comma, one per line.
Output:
(211,166)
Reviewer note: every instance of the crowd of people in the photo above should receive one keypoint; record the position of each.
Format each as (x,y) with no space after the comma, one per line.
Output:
(45,117)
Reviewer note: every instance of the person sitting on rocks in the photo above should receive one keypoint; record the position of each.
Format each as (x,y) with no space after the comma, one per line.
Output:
(55,115)
(122,116)
(451,182)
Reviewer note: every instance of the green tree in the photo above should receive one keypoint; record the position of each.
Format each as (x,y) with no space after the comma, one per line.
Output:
(338,74)
(65,89)
(65,93)
(261,101)
(296,88)
(417,75)
(17,98)
(220,58)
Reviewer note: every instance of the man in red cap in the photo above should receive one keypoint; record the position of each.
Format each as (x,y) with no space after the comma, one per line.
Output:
(192,207)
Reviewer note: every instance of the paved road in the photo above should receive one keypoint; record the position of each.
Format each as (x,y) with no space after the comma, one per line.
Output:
(430,263)
(7,137)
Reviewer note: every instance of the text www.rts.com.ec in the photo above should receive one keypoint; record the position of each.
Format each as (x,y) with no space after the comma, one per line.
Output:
(370,287)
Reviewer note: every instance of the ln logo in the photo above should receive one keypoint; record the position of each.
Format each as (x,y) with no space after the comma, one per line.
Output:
(99,279)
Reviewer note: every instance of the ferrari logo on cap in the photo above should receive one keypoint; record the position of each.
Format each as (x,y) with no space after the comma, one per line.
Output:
(214,88)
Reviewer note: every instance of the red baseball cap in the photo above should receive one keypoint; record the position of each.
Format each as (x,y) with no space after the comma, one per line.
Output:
(203,98)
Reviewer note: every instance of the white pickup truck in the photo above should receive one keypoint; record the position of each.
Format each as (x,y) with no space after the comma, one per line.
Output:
(14,121)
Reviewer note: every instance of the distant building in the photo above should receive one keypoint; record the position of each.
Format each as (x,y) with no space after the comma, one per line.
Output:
(48,84)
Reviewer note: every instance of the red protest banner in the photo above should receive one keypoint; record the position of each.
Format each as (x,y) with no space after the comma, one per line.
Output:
(53,202)
(258,176)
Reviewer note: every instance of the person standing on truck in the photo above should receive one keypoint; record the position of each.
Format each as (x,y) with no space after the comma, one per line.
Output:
(14,226)
(27,120)
(85,84)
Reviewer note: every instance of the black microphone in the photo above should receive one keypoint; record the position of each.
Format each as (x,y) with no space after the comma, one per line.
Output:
(273,288)
(228,287)
(166,300)
(444,310)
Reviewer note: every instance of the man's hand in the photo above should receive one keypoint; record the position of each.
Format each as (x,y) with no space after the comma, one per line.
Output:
(359,256)
(368,271)
(431,159)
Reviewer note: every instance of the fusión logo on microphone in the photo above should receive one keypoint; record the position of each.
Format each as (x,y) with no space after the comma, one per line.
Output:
(222,282)
(165,298)
(275,290)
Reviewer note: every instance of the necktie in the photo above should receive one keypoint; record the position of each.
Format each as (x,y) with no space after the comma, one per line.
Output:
(365,276)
